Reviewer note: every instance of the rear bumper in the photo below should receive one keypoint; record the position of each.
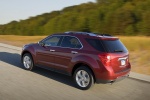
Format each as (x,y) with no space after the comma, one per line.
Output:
(119,78)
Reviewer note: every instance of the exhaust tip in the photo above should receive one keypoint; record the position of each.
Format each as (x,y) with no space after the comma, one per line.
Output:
(111,82)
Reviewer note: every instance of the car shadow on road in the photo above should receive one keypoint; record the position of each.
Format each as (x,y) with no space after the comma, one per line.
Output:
(11,58)
(15,60)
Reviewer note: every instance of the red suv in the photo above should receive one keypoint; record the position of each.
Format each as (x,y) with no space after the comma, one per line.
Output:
(88,57)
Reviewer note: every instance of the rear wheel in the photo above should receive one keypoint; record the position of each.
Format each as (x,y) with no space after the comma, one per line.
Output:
(28,61)
(83,78)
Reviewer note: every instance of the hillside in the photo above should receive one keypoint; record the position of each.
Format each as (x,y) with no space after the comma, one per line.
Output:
(117,17)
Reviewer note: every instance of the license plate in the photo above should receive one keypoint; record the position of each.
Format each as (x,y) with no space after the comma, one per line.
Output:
(123,62)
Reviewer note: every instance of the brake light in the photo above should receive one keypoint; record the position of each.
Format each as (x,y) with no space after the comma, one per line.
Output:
(105,59)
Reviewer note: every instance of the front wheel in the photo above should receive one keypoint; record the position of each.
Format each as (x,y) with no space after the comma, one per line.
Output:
(28,61)
(83,78)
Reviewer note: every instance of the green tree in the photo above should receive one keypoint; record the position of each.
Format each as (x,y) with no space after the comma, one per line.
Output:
(116,17)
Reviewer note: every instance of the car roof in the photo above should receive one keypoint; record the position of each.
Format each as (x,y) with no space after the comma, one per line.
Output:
(88,35)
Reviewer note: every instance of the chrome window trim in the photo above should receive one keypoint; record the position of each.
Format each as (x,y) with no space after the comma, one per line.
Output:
(62,40)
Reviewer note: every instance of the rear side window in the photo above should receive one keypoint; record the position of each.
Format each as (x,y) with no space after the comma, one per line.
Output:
(110,46)
(95,43)
(114,46)
(71,42)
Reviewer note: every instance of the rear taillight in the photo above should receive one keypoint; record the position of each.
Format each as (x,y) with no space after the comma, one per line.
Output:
(127,59)
(105,59)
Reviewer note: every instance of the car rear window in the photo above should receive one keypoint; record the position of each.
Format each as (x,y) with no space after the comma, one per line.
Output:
(110,46)
(114,46)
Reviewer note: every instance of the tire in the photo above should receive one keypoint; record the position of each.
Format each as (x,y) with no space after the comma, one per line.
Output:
(28,61)
(83,78)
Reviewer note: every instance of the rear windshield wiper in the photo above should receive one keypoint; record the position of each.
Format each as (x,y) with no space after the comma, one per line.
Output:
(118,50)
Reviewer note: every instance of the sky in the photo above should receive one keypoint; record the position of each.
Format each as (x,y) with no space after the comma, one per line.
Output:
(11,10)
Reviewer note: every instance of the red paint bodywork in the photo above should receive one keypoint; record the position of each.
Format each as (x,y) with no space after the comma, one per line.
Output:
(63,60)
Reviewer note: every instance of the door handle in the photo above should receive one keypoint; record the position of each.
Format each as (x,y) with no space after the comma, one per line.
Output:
(51,50)
(74,52)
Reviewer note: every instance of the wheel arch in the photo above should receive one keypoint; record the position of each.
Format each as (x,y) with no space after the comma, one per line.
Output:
(24,52)
(83,64)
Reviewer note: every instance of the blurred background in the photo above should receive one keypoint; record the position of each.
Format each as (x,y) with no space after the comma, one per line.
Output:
(127,19)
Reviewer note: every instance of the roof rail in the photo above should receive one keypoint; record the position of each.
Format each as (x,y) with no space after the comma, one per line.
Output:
(87,33)
(74,32)
(105,34)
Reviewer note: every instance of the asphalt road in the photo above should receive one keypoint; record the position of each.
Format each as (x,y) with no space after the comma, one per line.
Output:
(40,84)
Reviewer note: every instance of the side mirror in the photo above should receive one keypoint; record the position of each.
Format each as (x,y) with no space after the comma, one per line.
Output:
(41,44)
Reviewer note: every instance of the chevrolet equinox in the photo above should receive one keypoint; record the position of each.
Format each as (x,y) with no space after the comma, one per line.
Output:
(88,57)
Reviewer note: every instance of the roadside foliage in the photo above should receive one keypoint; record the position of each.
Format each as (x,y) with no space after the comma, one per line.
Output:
(116,17)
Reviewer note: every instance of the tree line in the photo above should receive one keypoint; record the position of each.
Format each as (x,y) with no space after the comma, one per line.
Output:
(116,17)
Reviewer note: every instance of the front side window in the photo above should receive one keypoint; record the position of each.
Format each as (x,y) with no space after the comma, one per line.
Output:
(52,41)
(71,42)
